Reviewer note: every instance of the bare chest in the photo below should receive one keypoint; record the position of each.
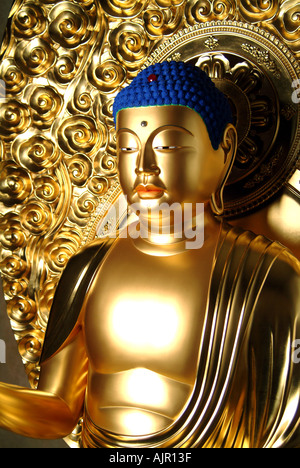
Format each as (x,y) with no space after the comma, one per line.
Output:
(147,312)
(143,326)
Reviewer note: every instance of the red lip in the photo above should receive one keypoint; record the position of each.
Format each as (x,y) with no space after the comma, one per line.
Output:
(149,191)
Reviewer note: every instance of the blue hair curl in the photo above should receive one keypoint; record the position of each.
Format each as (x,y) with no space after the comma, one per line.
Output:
(182,84)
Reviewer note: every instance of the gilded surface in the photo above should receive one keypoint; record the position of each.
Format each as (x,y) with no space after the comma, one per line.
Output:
(63,62)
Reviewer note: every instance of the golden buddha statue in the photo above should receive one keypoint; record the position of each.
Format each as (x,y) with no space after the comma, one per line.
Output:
(163,337)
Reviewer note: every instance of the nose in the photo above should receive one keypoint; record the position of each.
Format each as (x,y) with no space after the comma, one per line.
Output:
(146,161)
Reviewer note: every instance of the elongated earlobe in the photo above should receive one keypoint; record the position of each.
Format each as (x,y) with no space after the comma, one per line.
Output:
(217,203)
(229,146)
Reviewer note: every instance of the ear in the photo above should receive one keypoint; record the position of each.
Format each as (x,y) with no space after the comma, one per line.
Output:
(229,146)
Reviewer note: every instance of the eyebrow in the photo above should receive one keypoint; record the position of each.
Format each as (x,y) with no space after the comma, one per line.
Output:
(123,130)
(158,130)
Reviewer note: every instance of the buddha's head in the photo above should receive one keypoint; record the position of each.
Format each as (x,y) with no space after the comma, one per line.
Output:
(175,138)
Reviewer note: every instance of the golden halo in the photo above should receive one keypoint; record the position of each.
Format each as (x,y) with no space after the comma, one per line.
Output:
(256,71)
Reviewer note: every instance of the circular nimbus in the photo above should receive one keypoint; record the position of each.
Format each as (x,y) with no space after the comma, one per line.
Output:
(256,72)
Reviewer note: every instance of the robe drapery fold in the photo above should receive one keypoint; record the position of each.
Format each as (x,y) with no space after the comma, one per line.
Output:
(247,389)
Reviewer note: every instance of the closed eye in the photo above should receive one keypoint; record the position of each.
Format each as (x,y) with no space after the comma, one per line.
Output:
(129,149)
(167,147)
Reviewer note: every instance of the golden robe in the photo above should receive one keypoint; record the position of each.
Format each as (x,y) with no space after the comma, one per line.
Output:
(247,391)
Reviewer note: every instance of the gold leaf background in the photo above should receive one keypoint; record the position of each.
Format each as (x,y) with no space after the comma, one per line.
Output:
(62,63)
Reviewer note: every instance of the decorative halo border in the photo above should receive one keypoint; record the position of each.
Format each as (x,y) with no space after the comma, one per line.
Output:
(280,68)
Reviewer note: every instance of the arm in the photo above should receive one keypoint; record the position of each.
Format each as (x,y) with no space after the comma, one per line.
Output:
(53,410)
(274,402)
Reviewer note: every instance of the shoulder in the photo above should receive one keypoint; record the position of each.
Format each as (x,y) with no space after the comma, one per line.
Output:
(270,275)
(259,251)
(70,294)
(265,272)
